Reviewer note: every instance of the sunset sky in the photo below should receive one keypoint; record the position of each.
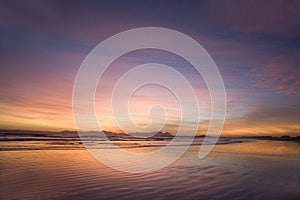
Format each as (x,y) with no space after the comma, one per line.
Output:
(255,44)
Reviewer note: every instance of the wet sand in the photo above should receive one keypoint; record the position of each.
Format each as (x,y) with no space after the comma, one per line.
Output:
(253,170)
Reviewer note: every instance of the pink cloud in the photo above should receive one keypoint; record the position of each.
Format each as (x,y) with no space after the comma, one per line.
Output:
(281,74)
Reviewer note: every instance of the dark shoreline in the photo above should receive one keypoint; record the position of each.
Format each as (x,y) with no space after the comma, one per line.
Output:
(282,138)
(27,135)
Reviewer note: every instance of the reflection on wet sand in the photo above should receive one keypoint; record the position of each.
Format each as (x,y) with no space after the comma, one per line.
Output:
(254,170)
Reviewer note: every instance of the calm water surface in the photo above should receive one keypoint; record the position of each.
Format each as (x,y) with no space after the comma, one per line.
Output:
(253,170)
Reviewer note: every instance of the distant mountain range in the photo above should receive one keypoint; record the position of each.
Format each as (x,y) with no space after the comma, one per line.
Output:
(7,135)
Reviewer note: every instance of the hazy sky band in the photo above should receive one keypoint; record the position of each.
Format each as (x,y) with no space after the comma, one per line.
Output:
(254,44)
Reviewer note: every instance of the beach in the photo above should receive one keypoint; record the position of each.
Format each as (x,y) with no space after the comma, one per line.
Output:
(155,100)
(249,170)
